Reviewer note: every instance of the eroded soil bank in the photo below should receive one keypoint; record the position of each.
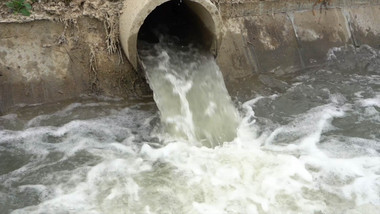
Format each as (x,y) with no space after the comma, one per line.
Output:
(68,48)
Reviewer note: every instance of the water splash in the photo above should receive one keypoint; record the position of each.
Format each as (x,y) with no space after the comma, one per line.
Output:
(190,93)
(314,148)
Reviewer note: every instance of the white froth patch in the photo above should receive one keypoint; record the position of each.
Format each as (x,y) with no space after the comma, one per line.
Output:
(306,129)
(230,174)
(331,54)
(210,110)
(371,102)
(238,177)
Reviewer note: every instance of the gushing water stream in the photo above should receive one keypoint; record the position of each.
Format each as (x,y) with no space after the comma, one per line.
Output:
(190,93)
(311,147)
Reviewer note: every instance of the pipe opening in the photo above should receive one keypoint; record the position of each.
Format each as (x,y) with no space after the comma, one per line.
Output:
(183,21)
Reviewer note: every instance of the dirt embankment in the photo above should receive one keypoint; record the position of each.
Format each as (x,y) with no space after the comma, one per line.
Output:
(62,50)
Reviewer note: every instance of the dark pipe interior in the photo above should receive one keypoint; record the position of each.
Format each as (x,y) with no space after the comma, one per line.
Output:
(175,19)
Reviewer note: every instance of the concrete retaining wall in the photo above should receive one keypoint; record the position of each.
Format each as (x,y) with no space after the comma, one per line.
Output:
(42,60)
(280,37)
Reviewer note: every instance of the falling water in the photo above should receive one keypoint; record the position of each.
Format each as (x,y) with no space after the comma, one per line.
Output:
(190,93)
(311,146)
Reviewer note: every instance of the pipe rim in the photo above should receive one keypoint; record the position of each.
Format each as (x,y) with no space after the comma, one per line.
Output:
(134,14)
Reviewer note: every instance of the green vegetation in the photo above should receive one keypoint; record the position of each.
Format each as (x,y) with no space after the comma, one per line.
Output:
(19,6)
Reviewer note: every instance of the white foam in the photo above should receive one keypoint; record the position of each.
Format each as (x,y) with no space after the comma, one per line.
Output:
(303,165)
(371,101)
(188,88)
(238,177)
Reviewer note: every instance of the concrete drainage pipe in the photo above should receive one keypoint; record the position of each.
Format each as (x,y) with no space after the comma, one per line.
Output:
(138,16)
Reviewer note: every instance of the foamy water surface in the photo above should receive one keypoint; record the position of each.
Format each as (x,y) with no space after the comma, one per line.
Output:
(313,148)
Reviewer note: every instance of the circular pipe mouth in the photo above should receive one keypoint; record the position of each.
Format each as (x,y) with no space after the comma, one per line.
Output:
(191,21)
(176,20)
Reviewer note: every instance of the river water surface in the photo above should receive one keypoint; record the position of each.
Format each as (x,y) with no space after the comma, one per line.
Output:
(311,147)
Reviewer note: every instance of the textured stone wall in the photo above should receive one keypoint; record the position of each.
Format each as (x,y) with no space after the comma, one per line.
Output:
(276,38)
